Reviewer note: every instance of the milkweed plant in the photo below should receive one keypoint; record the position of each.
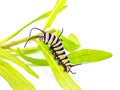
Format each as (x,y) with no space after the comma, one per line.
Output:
(71,44)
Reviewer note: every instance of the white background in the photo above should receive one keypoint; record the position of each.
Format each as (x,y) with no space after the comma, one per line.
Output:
(95,22)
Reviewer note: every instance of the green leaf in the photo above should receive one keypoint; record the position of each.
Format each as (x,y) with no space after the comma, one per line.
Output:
(74,39)
(36,61)
(59,6)
(14,59)
(62,77)
(88,56)
(81,56)
(14,78)
(70,45)
(29,50)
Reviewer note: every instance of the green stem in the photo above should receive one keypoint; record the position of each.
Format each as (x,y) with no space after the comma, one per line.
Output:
(13,43)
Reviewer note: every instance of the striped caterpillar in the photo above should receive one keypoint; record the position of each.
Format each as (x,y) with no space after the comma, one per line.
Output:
(56,48)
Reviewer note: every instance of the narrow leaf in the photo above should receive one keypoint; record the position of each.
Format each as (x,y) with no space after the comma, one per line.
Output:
(62,77)
(70,45)
(36,61)
(14,78)
(14,59)
(88,55)
(59,6)
(81,56)
(29,50)
(74,39)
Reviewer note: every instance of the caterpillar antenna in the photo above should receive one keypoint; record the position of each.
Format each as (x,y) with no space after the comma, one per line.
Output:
(29,40)
(60,33)
(75,65)
(36,29)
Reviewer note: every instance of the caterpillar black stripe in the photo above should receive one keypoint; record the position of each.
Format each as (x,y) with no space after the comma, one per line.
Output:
(56,48)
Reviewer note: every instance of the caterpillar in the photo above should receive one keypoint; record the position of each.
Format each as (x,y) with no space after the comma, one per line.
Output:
(56,47)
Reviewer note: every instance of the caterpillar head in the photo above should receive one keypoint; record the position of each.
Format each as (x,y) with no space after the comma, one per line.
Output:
(41,37)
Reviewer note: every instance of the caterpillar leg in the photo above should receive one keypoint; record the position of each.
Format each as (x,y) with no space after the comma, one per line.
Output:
(69,70)
(51,48)
(70,66)
(65,68)
(59,62)
(55,55)
(53,52)
(61,40)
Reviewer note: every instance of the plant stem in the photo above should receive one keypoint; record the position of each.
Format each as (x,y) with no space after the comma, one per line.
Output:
(16,42)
